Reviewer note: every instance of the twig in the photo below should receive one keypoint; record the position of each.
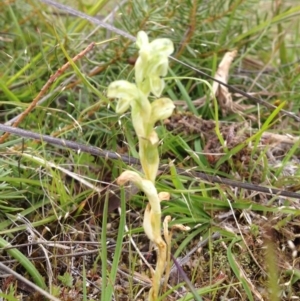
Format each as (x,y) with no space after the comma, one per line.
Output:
(190,29)
(52,78)
(198,176)
(79,14)
(27,282)
(54,244)
(186,279)
(200,244)
(34,235)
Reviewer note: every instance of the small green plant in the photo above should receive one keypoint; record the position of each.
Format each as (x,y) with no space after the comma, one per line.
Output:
(66,279)
(150,67)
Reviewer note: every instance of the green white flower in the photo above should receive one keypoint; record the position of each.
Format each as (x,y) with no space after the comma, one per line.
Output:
(150,67)
(152,63)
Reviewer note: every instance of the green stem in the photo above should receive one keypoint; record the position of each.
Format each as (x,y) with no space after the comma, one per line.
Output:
(149,158)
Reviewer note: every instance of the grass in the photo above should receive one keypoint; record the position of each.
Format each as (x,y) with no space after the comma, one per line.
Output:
(60,205)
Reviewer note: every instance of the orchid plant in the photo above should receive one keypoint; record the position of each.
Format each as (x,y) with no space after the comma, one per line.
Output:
(150,68)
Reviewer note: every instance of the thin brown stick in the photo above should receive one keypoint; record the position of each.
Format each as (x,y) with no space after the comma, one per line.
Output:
(27,282)
(190,31)
(43,91)
(91,19)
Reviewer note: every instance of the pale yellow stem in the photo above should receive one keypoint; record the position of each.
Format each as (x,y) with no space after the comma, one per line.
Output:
(168,238)
(160,267)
